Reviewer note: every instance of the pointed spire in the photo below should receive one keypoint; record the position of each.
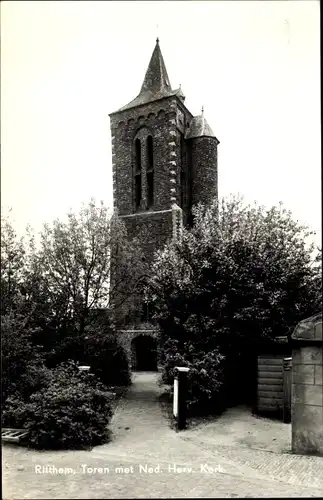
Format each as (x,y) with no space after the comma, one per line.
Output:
(156,84)
(156,79)
(199,127)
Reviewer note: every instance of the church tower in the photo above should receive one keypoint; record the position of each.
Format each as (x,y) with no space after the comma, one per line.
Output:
(164,159)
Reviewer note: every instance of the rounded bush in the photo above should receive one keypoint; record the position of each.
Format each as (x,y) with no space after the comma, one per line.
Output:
(107,358)
(19,358)
(72,412)
(14,412)
(99,348)
(205,377)
(111,365)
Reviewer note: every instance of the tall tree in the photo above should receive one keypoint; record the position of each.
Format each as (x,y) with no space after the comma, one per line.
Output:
(77,258)
(12,265)
(242,271)
(241,277)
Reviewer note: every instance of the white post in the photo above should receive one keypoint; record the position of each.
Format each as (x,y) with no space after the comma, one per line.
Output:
(84,368)
(180,393)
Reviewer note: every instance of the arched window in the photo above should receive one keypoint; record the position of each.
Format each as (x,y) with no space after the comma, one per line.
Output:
(137,173)
(150,172)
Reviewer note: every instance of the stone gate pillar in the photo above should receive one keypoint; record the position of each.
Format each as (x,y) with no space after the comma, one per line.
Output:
(307,387)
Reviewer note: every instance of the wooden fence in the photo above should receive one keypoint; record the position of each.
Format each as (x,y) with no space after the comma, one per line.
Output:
(270,384)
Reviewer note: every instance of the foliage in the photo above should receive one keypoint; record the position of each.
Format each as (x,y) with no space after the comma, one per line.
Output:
(106,356)
(20,361)
(205,377)
(239,278)
(242,269)
(50,299)
(12,264)
(98,347)
(83,263)
(71,411)
(51,293)
(77,258)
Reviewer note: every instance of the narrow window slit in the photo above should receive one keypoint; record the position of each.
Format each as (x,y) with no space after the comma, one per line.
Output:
(137,173)
(150,172)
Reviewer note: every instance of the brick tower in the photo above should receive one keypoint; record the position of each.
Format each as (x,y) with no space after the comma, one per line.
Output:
(164,161)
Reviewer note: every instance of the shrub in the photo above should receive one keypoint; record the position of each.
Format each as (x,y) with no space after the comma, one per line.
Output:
(205,377)
(59,343)
(18,356)
(109,363)
(14,413)
(106,356)
(236,280)
(97,347)
(73,411)
(36,377)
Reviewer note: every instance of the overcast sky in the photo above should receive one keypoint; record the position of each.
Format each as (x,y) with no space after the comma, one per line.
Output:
(254,66)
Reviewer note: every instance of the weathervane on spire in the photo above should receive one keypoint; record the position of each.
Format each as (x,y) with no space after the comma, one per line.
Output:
(157,39)
(202,110)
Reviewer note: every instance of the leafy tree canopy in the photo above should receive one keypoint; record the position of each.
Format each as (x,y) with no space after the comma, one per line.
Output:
(242,275)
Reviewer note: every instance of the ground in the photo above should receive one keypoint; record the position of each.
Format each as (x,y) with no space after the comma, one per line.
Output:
(237,455)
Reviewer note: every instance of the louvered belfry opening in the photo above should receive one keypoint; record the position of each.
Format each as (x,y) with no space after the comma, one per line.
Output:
(150,172)
(137,174)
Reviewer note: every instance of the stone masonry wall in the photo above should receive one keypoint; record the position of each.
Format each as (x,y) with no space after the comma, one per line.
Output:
(159,119)
(307,389)
(153,228)
(204,161)
(154,225)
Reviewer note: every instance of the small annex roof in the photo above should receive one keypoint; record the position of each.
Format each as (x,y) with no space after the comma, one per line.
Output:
(156,84)
(309,329)
(199,127)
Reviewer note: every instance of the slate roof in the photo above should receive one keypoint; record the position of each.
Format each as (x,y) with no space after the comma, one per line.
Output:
(156,84)
(199,127)
(309,329)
